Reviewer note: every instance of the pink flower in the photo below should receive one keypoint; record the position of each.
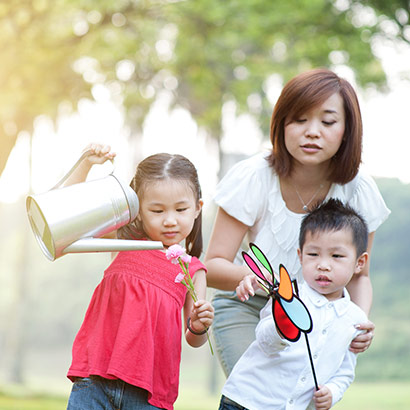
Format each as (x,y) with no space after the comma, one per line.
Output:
(186,258)
(179,278)
(174,252)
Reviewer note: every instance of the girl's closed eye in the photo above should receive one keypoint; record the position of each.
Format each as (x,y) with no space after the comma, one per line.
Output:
(328,123)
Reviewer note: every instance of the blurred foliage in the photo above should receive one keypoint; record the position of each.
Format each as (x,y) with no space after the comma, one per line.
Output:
(389,356)
(393,15)
(54,52)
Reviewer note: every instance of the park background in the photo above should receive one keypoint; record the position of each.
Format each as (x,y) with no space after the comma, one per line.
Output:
(199,78)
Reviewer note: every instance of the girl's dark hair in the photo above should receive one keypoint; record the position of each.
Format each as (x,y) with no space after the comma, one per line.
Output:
(333,215)
(303,92)
(157,168)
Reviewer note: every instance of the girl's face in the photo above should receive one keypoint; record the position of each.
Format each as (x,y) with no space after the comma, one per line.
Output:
(168,210)
(329,261)
(315,136)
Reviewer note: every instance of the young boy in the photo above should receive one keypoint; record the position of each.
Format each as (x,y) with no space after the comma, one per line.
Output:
(274,373)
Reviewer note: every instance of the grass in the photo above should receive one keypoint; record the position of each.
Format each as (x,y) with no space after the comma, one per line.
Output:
(360,396)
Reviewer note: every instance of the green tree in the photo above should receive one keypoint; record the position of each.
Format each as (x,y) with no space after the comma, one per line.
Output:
(204,52)
(393,17)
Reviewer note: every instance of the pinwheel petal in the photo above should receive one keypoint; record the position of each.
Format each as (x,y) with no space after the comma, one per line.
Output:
(285,326)
(285,284)
(298,313)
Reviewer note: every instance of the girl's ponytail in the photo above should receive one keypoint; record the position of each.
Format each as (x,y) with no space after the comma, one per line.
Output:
(194,241)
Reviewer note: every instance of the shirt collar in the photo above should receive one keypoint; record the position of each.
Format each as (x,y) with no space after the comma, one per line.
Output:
(340,305)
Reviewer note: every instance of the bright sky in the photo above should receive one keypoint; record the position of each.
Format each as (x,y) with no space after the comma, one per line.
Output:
(386,137)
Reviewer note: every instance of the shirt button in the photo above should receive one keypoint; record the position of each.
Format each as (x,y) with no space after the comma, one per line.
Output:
(324,331)
(315,356)
(303,379)
(291,401)
(330,305)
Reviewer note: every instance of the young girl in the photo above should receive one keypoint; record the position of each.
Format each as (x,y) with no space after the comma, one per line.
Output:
(128,350)
(316,135)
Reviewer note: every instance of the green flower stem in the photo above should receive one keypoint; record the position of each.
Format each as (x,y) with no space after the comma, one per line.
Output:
(187,282)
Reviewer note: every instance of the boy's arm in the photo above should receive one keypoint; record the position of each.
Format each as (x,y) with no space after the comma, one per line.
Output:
(267,335)
(342,379)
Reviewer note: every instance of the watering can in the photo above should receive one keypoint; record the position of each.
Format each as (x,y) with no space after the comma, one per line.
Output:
(72,219)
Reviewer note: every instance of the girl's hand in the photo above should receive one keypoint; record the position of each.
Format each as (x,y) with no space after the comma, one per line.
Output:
(363,341)
(92,154)
(247,287)
(202,315)
(323,398)
(99,153)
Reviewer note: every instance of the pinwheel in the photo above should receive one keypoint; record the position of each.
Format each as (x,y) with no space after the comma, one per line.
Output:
(290,314)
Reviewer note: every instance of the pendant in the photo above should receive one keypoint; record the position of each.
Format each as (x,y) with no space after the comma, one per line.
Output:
(305,208)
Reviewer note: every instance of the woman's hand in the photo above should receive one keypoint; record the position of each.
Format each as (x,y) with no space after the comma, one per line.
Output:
(363,341)
(247,287)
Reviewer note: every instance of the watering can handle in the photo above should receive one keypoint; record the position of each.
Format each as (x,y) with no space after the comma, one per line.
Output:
(68,174)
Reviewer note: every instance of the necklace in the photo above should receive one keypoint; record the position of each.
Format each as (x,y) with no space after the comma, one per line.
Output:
(305,207)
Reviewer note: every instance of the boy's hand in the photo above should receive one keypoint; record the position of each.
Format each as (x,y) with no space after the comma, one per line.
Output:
(247,287)
(99,153)
(202,315)
(323,398)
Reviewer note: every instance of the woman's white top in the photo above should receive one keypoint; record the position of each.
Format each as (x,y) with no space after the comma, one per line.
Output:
(250,192)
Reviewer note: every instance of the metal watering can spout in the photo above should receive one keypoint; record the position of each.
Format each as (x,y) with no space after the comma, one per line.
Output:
(72,219)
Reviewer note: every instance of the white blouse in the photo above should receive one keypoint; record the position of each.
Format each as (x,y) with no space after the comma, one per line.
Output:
(250,192)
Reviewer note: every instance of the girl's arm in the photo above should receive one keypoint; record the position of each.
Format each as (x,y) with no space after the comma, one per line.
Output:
(98,154)
(361,293)
(201,313)
(226,238)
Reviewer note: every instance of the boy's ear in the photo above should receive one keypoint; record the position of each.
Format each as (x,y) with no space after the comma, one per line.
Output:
(361,262)
(300,255)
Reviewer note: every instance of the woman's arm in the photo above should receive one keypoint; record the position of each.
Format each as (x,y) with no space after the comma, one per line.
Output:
(360,286)
(361,292)
(226,238)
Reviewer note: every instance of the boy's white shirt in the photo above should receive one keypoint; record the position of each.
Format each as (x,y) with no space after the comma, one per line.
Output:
(274,373)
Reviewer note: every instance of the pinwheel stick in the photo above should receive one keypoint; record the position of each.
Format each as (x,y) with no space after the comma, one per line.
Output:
(311,361)
(295,285)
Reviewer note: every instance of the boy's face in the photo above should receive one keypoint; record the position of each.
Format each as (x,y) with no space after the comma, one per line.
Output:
(329,261)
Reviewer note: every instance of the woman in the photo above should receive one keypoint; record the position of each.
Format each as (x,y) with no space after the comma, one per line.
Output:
(316,136)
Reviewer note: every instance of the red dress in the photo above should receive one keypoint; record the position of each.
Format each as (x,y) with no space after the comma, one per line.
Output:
(132,328)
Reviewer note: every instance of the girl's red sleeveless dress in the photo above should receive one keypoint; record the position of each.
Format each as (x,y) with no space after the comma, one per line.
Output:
(132,329)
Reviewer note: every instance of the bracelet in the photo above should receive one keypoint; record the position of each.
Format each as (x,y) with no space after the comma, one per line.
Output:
(188,322)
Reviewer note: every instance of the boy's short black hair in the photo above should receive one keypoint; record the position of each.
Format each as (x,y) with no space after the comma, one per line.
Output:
(333,215)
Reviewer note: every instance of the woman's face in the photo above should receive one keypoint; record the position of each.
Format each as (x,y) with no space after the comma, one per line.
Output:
(316,135)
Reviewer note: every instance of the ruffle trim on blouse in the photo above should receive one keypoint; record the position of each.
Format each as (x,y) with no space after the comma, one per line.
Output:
(285,226)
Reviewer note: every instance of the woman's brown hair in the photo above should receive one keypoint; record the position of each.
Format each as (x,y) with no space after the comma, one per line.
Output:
(304,92)
(157,168)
